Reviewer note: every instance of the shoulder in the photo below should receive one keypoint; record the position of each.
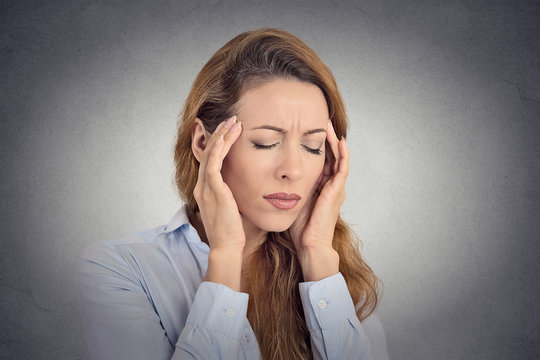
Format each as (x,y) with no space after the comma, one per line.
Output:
(171,250)
(107,250)
(157,239)
(114,259)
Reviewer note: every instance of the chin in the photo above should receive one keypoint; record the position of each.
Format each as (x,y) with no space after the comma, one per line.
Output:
(274,223)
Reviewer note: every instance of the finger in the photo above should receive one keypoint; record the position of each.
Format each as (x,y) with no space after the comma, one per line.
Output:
(333,140)
(343,166)
(212,174)
(203,166)
(221,124)
(229,133)
(222,129)
(336,183)
(227,136)
(231,137)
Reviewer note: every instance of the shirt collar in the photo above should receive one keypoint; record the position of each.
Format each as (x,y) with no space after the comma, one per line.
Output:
(178,220)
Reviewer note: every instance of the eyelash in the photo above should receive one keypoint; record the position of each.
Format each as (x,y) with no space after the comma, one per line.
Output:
(268,147)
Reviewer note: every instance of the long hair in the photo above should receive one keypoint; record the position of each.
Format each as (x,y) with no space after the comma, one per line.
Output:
(251,59)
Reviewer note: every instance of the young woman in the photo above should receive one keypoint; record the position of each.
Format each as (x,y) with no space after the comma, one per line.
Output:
(258,262)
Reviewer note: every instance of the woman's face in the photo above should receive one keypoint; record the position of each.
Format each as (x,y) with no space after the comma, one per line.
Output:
(279,155)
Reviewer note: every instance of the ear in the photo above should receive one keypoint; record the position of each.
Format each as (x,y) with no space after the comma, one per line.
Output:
(199,139)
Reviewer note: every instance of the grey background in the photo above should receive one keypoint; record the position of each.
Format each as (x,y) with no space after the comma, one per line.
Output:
(444,103)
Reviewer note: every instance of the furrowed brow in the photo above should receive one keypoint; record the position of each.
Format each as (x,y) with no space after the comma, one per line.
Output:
(280,130)
(269,127)
(314,131)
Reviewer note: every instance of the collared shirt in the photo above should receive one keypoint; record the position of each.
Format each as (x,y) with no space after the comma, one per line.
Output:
(143,297)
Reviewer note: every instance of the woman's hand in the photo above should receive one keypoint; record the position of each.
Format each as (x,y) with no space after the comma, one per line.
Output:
(219,212)
(313,229)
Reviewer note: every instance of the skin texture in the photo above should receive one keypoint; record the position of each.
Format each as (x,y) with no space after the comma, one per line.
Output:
(304,157)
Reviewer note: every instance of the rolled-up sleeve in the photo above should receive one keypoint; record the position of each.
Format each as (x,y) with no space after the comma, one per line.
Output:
(336,332)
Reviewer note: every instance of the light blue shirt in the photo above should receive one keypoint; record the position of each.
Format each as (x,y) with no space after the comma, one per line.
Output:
(143,297)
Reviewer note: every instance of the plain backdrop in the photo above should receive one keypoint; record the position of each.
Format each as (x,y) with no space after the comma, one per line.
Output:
(443,99)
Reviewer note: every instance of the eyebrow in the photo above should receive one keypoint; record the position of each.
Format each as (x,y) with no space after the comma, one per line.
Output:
(280,130)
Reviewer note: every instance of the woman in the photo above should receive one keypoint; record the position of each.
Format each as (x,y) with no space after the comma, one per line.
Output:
(257,263)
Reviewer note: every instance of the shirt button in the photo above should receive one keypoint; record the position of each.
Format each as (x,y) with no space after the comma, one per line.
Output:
(322,304)
(229,312)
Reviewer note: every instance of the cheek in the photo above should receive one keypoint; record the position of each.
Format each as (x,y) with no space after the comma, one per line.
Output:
(314,172)
(318,167)
(240,170)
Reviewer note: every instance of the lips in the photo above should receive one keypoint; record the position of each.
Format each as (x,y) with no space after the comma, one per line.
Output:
(283,201)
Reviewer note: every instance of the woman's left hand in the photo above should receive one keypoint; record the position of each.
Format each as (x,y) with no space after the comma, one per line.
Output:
(313,229)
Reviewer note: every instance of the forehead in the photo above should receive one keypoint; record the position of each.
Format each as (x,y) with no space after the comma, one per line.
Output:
(284,103)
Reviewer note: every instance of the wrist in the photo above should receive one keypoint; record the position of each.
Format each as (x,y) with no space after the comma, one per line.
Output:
(225,267)
(318,263)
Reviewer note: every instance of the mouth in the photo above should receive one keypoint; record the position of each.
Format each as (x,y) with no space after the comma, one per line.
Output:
(283,201)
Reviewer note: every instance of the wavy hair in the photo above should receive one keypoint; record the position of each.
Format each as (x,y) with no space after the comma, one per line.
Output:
(251,59)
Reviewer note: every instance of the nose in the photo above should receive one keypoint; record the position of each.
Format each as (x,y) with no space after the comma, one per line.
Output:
(289,167)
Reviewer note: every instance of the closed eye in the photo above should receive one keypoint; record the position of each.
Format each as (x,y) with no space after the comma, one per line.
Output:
(264,147)
(268,147)
(313,151)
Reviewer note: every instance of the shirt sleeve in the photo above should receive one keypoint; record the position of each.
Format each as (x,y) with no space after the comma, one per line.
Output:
(215,324)
(336,332)
(120,321)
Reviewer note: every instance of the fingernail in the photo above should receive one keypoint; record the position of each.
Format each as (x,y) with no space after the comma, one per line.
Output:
(237,126)
(230,122)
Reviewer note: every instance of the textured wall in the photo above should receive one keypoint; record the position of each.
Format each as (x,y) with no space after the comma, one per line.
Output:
(444,102)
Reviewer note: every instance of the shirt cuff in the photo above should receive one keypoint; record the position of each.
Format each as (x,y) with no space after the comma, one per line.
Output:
(219,308)
(326,302)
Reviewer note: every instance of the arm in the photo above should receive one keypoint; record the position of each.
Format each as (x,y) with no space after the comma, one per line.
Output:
(218,209)
(120,322)
(214,325)
(336,332)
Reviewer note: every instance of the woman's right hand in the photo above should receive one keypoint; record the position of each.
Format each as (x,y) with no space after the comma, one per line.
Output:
(219,212)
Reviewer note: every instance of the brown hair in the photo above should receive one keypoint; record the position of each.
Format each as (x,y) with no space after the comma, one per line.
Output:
(250,59)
